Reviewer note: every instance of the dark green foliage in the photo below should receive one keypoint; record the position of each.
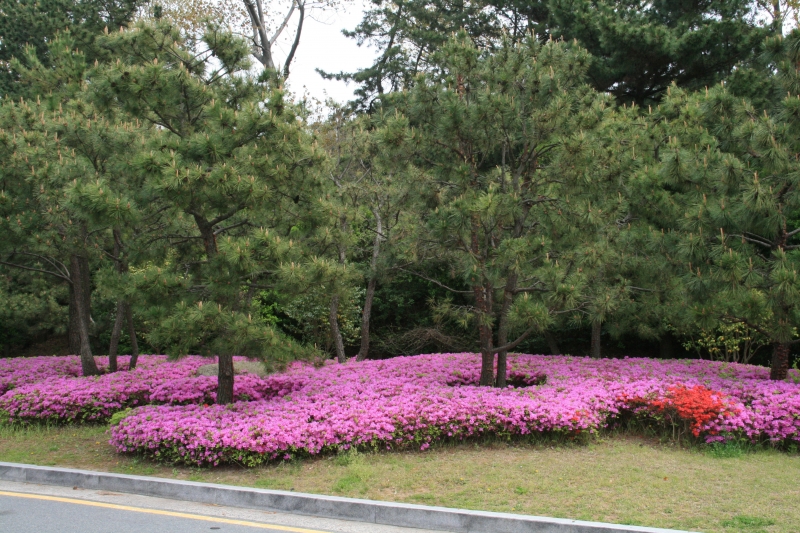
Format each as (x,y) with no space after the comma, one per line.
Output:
(728,182)
(31,308)
(499,202)
(36,23)
(511,148)
(639,48)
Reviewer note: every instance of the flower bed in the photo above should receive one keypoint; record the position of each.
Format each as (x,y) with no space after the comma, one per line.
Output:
(417,401)
(406,401)
(48,389)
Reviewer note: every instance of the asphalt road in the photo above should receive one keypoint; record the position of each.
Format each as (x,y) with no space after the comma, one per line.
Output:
(29,508)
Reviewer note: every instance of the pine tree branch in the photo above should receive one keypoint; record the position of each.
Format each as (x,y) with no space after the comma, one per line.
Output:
(23,267)
(753,240)
(440,284)
(512,345)
(532,288)
(222,230)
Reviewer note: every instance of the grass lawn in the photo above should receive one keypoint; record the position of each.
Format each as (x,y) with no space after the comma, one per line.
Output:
(613,479)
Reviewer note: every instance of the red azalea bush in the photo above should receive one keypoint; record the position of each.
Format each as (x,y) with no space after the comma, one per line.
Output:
(696,406)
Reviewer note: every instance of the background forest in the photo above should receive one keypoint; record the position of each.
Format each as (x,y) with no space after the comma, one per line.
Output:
(598,178)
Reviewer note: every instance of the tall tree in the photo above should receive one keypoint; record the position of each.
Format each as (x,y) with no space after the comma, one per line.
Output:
(504,141)
(642,47)
(226,160)
(371,190)
(732,172)
(58,181)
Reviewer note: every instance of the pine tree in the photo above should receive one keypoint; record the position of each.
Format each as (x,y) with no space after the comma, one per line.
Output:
(640,48)
(229,162)
(60,195)
(504,142)
(370,192)
(731,173)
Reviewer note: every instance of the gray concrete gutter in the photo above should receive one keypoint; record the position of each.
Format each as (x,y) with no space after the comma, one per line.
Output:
(377,512)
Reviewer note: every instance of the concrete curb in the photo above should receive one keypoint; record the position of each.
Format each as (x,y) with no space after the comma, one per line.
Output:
(377,512)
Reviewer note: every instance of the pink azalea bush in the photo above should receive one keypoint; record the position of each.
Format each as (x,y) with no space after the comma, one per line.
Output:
(406,401)
(418,401)
(49,389)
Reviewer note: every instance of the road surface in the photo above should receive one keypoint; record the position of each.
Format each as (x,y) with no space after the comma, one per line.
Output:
(31,508)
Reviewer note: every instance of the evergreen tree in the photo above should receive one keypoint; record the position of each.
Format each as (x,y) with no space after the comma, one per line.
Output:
(60,194)
(730,172)
(231,164)
(504,141)
(640,48)
(370,195)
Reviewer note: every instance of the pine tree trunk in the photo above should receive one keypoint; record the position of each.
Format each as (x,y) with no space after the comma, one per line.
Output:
(487,351)
(115,335)
(366,313)
(74,323)
(502,370)
(552,343)
(120,316)
(225,380)
(780,362)
(666,346)
(124,311)
(335,331)
(132,334)
(596,330)
(502,331)
(79,275)
(487,369)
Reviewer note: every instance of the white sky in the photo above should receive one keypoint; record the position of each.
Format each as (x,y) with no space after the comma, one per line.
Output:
(323,46)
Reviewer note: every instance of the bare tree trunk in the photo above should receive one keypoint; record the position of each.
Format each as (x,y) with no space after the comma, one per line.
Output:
(487,346)
(301,6)
(487,369)
(485,333)
(115,335)
(780,362)
(132,334)
(225,380)
(596,330)
(335,331)
(79,274)
(366,313)
(75,306)
(552,343)
(482,305)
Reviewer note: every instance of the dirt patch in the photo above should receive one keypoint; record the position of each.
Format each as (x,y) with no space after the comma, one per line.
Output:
(239,367)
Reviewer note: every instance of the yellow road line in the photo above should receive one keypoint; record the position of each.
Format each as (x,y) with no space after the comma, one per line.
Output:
(159,512)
